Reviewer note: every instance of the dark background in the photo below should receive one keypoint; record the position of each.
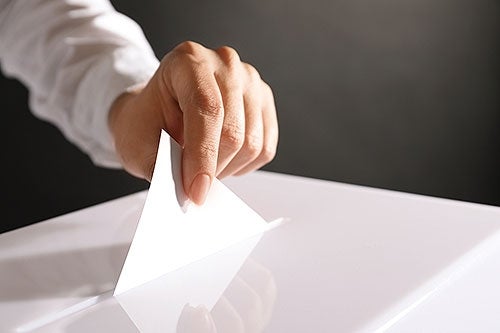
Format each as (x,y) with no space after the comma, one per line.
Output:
(401,94)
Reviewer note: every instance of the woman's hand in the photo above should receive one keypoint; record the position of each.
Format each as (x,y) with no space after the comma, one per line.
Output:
(214,105)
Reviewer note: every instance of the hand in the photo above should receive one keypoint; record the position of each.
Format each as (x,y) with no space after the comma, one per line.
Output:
(212,104)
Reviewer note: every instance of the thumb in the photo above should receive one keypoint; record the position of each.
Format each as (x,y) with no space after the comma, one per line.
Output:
(136,135)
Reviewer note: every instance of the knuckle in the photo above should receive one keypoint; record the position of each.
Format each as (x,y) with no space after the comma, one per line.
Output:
(186,54)
(232,137)
(268,153)
(189,47)
(208,105)
(268,90)
(253,145)
(228,55)
(252,73)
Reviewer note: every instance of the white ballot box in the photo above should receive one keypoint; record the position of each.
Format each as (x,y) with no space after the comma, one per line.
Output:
(347,259)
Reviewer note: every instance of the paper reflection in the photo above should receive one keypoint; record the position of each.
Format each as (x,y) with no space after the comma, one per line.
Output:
(226,292)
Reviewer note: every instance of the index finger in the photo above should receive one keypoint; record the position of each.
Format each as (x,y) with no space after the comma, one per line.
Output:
(201,102)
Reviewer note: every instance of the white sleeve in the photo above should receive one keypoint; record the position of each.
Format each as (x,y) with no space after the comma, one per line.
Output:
(75,57)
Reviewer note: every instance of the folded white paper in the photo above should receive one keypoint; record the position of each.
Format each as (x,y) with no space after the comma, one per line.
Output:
(173,232)
(158,306)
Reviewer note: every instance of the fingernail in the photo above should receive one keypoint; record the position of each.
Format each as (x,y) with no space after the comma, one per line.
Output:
(199,188)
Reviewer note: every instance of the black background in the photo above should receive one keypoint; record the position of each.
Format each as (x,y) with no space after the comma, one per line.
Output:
(395,94)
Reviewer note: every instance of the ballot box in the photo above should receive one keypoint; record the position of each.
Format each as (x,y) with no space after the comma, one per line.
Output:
(345,259)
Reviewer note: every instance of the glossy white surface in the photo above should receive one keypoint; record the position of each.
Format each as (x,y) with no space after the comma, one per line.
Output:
(350,259)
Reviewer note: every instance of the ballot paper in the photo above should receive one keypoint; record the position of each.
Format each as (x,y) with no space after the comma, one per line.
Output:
(200,284)
(174,232)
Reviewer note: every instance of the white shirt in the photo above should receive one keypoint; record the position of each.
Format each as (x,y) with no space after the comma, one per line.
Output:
(75,57)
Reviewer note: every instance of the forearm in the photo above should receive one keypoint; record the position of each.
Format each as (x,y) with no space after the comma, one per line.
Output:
(76,59)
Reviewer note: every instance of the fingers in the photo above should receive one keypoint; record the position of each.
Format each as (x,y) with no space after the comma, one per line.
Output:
(203,110)
(226,317)
(135,135)
(261,131)
(252,137)
(195,320)
(261,280)
(261,127)
(229,118)
(270,136)
(231,86)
